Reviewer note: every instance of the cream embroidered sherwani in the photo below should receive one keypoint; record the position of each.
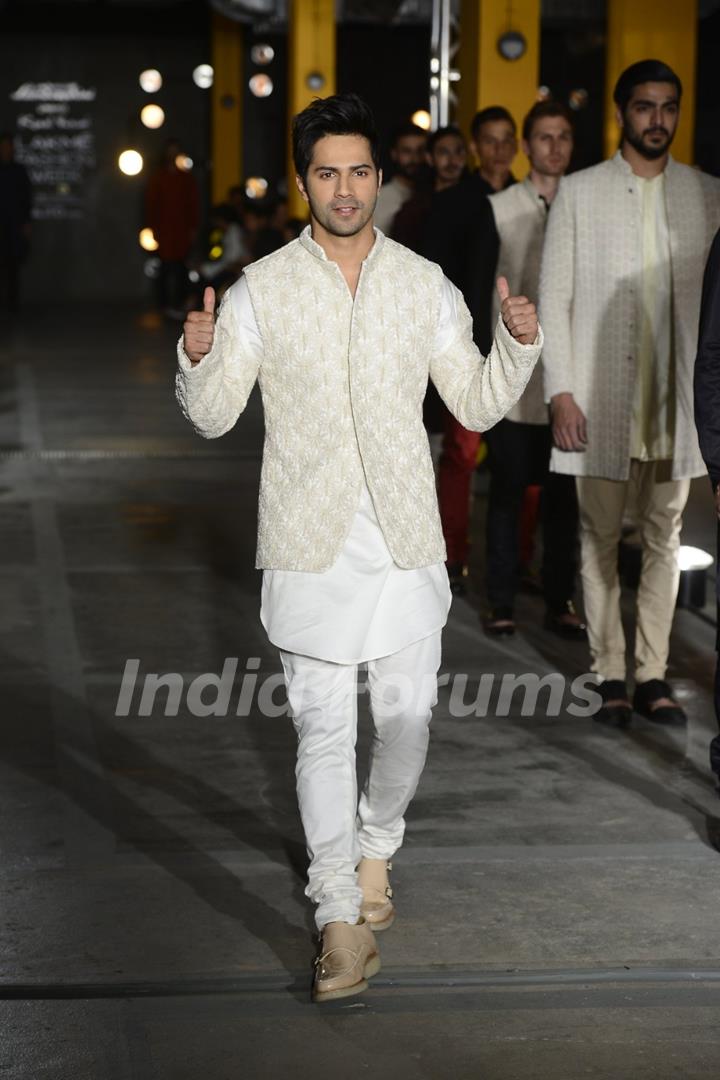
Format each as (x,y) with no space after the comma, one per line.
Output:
(620,292)
(590,297)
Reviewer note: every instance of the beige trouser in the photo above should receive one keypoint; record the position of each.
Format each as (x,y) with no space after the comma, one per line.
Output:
(659,502)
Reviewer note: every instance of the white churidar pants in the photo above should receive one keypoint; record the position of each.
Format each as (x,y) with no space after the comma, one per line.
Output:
(339,830)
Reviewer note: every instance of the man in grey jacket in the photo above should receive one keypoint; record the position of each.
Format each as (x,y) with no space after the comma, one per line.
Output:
(342,328)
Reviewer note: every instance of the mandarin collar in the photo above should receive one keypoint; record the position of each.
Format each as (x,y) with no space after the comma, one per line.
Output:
(314,248)
(620,161)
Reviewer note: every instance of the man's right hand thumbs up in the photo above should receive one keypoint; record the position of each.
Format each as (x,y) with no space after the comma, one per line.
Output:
(199,328)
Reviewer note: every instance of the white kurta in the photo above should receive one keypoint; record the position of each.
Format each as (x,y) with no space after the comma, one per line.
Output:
(365,606)
(654,405)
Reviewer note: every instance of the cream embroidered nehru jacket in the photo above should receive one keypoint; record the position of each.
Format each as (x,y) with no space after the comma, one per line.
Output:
(342,386)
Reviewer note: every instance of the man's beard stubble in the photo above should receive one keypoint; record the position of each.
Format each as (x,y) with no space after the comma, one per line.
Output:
(325,217)
(650,153)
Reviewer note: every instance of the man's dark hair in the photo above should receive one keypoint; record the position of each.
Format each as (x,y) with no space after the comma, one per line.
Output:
(224,212)
(545,108)
(485,116)
(341,114)
(643,72)
(440,133)
(402,130)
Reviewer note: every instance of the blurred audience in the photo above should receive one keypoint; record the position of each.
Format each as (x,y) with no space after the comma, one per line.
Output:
(172,211)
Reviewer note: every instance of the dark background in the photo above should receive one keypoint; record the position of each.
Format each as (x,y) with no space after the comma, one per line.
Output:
(105,44)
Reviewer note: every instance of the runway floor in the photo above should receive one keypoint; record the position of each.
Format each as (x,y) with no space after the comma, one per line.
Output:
(557,894)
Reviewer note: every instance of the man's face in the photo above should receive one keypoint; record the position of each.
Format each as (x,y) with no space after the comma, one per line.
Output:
(550,145)
(650,118)
(448,158)
(408,155)
(342,184)
(496,144)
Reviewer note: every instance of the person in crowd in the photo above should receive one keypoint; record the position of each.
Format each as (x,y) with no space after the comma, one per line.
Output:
(494,143)
(407,153)
(262,236)
(234,255)
(520,444)
(459,234)
(172,211)
(343,327)
(620,289)
(15,222)
(707,421)
(446,157)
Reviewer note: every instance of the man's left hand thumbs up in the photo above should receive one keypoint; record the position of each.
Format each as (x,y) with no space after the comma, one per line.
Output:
(519,314)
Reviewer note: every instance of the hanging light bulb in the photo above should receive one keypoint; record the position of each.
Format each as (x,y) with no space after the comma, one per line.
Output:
(150,80)
(203,76)
(152,116)
(147,240)
(130,162)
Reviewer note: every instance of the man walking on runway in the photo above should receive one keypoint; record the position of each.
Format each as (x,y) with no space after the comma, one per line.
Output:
(620,287)
(342,328)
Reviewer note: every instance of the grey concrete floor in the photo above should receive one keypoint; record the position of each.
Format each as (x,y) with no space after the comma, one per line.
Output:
(558,889)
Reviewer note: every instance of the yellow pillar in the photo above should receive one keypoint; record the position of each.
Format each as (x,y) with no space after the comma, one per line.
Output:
(658,30)
(227,98)
(486,77)
(311,52)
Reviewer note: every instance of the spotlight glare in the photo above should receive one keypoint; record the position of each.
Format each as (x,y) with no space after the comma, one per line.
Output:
(261,85)
(183,163)
(130,162)
(151,268)
(421,119)
(147,240)
(692,558)
(203,76)
(256,187)
(150,80)
(578,99)
(262,54)
(152,116)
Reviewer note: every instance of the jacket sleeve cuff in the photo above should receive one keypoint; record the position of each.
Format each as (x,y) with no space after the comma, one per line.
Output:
(185,363)
(518,351)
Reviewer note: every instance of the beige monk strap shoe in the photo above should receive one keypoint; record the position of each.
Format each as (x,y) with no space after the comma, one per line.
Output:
(348,958)
(377,907)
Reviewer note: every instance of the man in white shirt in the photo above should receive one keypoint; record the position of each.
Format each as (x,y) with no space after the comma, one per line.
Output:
(407,153)
(342,329)
(520,443)
(620,291)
